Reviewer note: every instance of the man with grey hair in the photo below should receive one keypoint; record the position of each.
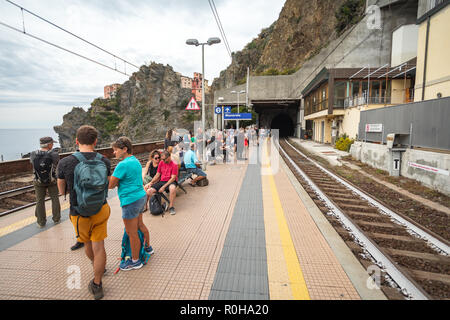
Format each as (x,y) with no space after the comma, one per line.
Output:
(44,162)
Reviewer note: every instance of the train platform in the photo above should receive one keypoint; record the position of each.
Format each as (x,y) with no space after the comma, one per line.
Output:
(251,234)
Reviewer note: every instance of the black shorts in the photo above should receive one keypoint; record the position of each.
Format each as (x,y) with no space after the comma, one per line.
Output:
(159,184)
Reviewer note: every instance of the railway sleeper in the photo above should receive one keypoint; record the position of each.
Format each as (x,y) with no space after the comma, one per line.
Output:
(365,209)
(393,236)
(419,255)
(424,275)
(378,224)
(348,201)
(346,196)
(18,202)
(356,214)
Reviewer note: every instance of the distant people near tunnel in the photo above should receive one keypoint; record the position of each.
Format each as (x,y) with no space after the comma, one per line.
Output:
(165,180)
(211,146)
(44,162)
(240,141)
(127,177)
(199,140)
(224,148)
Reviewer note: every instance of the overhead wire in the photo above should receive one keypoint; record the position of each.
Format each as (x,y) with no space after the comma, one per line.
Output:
(70,33)
(219,24)
(59,47)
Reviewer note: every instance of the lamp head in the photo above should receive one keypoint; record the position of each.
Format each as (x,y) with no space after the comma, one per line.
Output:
(192,42)
(213,40)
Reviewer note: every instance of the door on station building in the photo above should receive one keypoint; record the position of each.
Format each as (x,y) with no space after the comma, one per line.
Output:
(322,131)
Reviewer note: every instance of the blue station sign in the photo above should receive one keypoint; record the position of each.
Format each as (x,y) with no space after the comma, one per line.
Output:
(237,116)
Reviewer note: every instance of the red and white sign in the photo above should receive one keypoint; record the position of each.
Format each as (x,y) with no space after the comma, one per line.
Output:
(192,105)
(378,127)
(427,168)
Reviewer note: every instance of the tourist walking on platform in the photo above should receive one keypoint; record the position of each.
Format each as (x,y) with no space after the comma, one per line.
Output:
(128,177)
(44,162)
(89,210)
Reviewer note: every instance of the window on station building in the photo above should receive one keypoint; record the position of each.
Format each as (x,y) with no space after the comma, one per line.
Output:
(375,92)
(354,88)
(340,93)
(364,86)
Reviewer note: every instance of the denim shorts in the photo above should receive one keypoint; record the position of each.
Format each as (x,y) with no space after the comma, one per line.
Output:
(134,209)
(196,171)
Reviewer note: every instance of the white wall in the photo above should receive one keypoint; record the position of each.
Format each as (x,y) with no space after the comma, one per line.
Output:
(378,156)
(404,44)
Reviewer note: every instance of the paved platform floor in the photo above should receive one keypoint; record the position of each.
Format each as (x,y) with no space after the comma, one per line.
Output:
(248,235)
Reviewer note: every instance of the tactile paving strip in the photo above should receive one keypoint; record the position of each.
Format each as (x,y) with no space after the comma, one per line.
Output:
(242,269)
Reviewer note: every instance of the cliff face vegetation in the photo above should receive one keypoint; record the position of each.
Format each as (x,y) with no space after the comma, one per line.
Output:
(145,107)
(303,28)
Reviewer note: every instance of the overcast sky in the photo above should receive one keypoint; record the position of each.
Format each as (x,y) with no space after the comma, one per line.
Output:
(40,83)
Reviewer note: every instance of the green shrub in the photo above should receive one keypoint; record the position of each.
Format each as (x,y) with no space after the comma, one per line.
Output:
(344,143)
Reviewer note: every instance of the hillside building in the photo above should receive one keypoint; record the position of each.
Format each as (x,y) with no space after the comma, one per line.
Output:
(110,91)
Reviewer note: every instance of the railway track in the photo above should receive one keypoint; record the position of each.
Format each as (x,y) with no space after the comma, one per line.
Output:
(14,200)
(414,262)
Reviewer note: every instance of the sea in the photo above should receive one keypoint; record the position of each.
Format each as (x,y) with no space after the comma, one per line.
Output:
(17,142)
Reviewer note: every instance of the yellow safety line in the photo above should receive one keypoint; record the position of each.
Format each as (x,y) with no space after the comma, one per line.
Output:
(27,221)
(297,281)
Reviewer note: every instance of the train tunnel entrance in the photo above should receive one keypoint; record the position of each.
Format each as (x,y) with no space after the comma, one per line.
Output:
(278,114)
(283,122)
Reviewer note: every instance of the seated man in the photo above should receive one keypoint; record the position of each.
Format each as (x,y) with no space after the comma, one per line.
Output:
(165,179)
(193,165)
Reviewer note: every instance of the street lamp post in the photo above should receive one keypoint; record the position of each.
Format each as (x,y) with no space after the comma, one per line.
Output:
(220,99)
(194,42)
(238,93)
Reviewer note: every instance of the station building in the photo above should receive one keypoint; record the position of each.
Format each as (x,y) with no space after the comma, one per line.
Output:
(401,60)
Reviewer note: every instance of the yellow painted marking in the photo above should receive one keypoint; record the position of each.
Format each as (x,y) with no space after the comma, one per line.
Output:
(295,274)
(27,221)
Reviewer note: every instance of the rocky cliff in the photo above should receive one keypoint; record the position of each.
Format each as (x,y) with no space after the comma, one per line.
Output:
(303,28)
(145,107)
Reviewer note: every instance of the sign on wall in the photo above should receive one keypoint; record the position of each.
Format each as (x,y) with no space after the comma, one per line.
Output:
(378,127)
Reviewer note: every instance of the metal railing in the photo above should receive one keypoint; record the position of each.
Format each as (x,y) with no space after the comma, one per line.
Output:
(360,101)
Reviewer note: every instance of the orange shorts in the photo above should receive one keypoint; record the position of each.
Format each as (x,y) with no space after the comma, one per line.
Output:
(92,228)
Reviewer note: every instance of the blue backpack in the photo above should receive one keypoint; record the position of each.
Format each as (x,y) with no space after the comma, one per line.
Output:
(90,184)
(126,249)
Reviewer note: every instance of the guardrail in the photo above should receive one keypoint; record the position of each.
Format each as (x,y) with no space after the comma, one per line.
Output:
(24,165)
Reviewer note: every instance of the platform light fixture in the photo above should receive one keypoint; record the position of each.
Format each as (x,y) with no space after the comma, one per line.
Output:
(210,42)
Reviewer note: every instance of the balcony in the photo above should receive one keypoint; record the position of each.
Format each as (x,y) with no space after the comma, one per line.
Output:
(360,101)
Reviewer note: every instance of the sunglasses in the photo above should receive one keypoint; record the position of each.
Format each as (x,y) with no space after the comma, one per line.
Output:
(156,158)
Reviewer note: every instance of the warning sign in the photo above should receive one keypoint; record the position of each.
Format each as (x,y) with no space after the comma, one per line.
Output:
(192,105)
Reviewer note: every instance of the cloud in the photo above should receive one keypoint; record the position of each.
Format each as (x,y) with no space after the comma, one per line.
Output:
(33,73)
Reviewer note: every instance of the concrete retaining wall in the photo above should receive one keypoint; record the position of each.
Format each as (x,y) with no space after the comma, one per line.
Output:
(378,156)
